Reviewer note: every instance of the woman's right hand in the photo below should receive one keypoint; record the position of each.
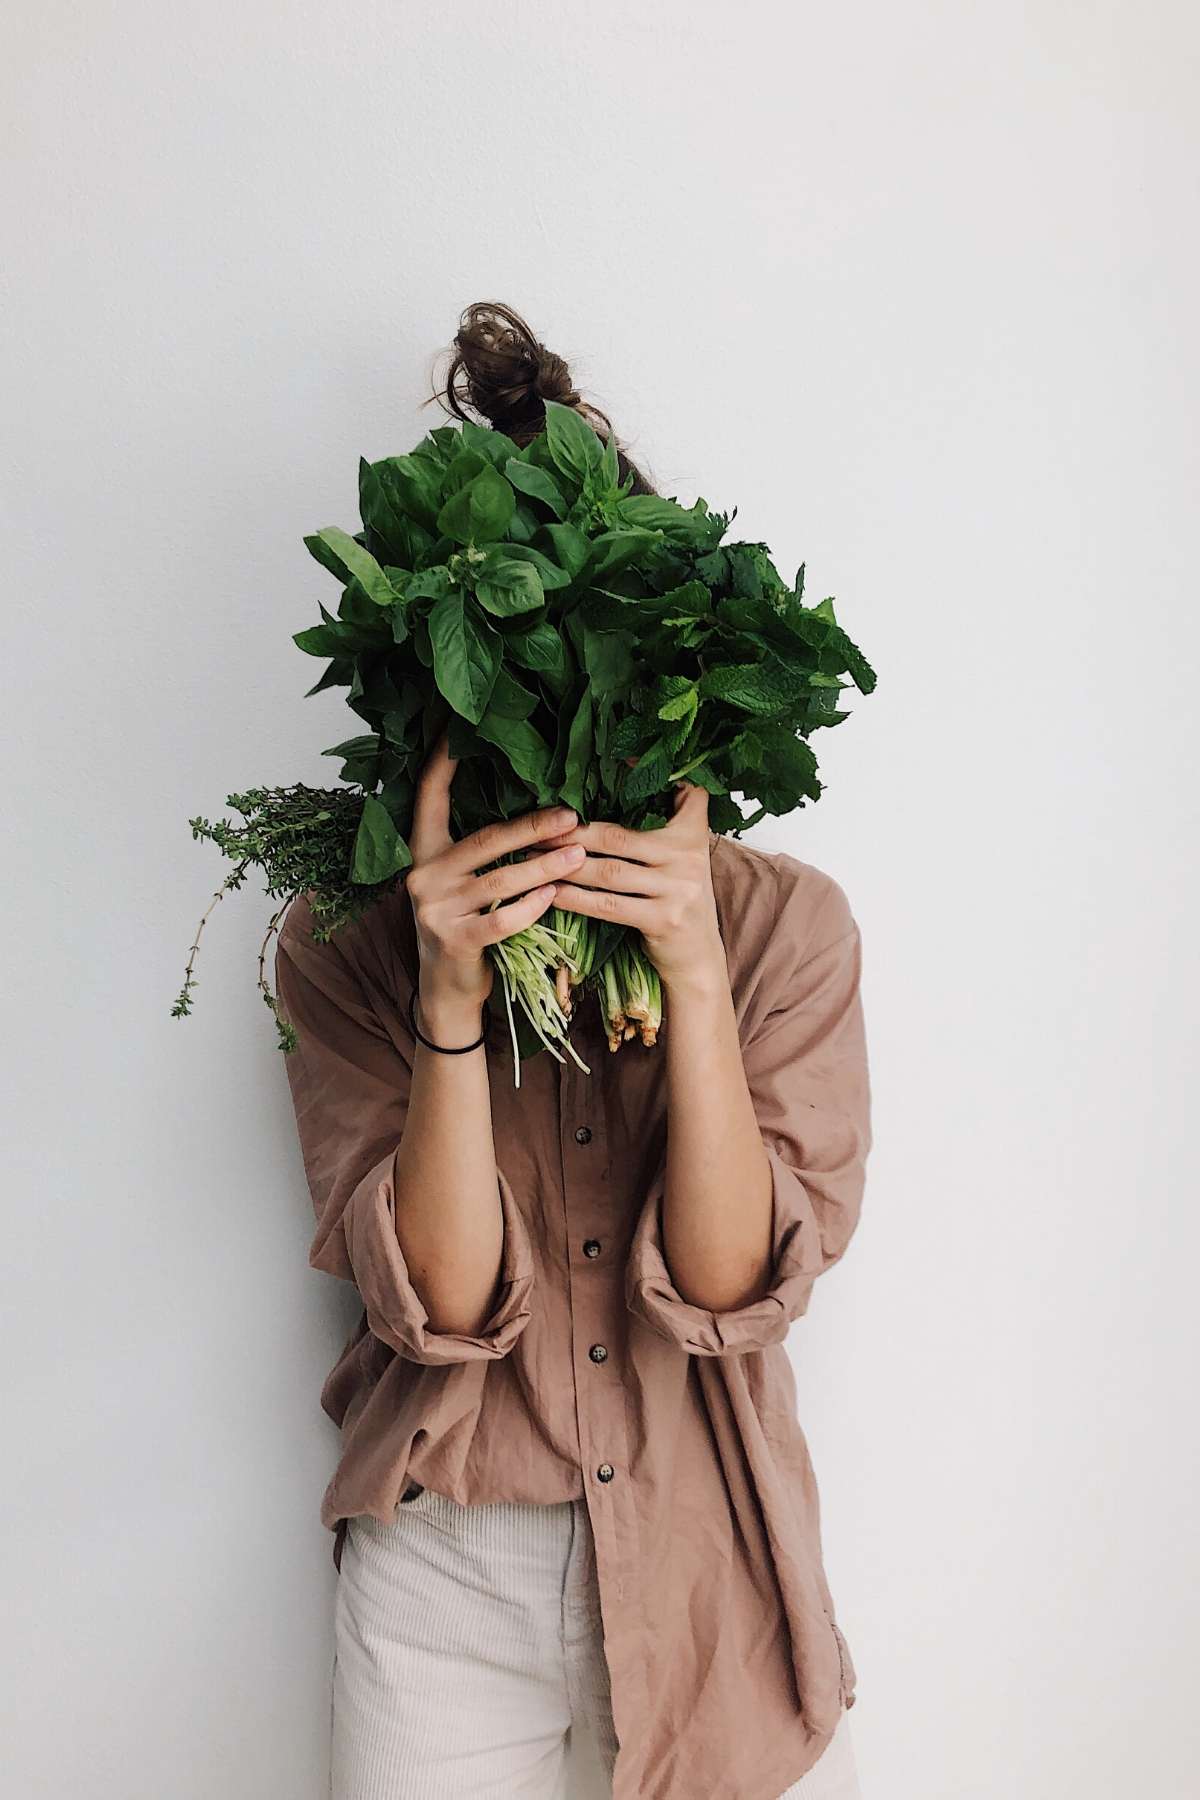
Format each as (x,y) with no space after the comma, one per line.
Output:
(448,893)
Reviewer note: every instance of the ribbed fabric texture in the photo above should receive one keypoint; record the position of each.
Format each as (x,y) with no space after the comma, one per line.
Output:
(467,1642)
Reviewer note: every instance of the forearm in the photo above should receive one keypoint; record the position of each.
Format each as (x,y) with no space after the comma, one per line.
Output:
(448,1218)
(718,1194)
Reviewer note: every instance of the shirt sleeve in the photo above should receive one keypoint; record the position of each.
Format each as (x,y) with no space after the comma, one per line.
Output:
(806,1069)
(350,1077)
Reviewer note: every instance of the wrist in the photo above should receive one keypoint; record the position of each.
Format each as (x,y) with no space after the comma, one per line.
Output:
(448,1014)
(703,979)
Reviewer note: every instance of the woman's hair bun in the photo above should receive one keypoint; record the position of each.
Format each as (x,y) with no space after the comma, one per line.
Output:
(502,371)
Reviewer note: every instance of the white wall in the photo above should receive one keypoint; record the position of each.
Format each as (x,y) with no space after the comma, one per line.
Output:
(916,288)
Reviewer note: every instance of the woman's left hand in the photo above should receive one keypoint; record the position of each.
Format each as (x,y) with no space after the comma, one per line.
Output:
(659,882)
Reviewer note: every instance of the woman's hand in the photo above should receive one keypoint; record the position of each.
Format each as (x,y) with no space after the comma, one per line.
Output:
(658,881)
(447,893)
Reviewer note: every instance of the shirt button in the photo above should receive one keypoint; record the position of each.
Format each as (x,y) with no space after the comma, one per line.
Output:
(591,1246)
(598,1353)
(583,1135)
(606,1472)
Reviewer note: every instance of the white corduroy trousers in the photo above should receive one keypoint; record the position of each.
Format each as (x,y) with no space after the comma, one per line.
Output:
(468,1652)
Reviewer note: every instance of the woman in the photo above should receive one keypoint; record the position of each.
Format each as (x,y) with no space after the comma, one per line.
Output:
(573,1491)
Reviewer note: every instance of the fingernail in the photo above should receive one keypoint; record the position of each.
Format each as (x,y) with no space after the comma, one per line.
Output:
(563,815)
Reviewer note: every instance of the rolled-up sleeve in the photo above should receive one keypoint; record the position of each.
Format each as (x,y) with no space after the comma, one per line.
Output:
(350,1076)
(807,1073)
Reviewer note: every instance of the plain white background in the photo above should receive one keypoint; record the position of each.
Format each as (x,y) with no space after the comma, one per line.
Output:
(916,288)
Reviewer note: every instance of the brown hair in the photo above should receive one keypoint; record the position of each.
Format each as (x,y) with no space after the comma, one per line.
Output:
(505,374)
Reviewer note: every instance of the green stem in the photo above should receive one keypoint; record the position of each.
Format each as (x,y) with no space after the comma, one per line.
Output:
(678,774)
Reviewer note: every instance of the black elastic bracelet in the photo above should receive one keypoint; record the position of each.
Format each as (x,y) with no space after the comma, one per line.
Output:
(445,1049)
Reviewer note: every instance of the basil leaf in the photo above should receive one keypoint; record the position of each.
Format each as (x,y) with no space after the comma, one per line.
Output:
(328,640)
(379,850)
(496,446)
(608,658)
(652,513)
(345,557)
(526,749)
(552,575)
(570,547)
(574,446)
(538,647)
(409,487)
(579,753)
(509,585)
(479,512)
(527,478)
(466,656)
(510,698)
(613,551)
(462,469)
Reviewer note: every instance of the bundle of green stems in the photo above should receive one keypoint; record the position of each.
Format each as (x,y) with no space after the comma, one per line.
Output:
(545,966)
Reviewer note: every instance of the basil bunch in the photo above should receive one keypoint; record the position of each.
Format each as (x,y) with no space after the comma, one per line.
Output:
(559,626)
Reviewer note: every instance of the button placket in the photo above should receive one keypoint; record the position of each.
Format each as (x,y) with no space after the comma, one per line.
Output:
(597,1323)
(591,1297)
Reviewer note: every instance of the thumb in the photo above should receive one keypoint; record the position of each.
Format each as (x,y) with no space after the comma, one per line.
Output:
(430,833)
(691,806)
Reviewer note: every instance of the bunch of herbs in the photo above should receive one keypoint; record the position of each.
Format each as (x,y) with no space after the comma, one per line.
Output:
(580,644)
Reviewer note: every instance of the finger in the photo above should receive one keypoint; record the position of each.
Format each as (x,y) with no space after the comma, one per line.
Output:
(503,921)
(509,879)
(617,875)
(606,838)
(502,837)
(690,814)
(430,832)
(618,909)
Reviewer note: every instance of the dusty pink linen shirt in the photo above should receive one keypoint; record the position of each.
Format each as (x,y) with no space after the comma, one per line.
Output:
(594,1377)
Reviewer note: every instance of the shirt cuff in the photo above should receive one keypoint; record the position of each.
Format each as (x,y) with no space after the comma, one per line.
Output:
(394,1309)
(796,1257)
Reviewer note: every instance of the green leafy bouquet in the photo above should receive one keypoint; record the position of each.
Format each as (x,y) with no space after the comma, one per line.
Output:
(580,644)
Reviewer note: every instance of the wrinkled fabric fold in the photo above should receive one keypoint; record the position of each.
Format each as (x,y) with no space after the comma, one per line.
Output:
(395,1312)
(651,1294)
